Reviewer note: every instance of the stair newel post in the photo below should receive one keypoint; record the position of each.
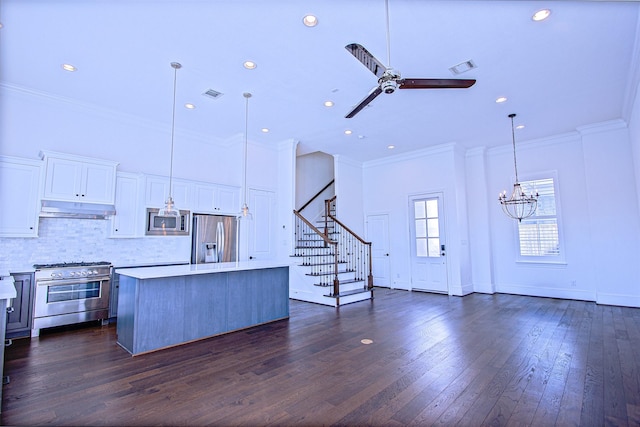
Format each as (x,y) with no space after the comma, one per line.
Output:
(336,281)
(370,268)
(326,218)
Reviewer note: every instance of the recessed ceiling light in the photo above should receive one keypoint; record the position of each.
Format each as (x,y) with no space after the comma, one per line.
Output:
(265,130)
(541,15)
(501,99)
(310,20)
(249,65)
(68,67)
(189,105)
(391,147)
(520,127)
(328,103)
(361,137)
(348,132)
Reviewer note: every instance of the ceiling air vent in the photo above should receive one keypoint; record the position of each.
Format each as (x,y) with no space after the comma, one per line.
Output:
(462,67)
(213,94)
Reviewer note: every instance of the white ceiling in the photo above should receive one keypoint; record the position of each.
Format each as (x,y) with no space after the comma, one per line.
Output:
(574,69)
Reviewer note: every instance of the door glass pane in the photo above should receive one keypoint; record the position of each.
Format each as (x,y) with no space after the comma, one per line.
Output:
(421,228)
(432,227)
(421,247)
(419,209)
(432,208)
(434,247)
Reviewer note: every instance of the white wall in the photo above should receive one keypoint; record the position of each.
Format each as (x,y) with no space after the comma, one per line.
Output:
(32,122)
(314,171)
(349,194)
(389,183)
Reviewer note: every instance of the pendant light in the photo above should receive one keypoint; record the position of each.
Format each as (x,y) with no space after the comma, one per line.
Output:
(169,208)
(244,210)
(519,205)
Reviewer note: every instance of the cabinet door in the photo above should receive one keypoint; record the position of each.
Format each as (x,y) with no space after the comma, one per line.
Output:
(97,184)
(125,223)
(63,179)
(204,198)
(228,199)
(19,185)
(20,318)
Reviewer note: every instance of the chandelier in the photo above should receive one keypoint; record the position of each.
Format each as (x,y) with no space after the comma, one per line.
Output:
(169,208)
(244,210)
(519,205)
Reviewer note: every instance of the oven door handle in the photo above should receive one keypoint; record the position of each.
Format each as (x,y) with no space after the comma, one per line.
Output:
(77,281)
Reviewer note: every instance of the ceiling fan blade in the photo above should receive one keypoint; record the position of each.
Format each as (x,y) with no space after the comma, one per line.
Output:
(435,83)
(367,59)
(375,92)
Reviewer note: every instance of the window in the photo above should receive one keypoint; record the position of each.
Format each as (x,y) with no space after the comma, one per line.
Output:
(538,235)
(427,228)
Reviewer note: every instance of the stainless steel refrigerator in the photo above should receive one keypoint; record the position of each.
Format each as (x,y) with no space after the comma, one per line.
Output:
(213,239)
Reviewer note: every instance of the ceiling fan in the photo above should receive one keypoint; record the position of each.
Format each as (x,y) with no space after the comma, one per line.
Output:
(389,79)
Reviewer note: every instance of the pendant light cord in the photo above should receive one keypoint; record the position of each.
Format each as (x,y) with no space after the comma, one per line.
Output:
(246,95)
(175,66)
(513,139)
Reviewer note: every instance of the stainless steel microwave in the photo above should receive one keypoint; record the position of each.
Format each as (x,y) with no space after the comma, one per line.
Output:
(167,225)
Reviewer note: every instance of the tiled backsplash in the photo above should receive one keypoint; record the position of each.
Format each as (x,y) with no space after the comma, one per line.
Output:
(73,240)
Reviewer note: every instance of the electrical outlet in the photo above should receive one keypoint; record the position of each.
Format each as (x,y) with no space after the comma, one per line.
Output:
(573,284)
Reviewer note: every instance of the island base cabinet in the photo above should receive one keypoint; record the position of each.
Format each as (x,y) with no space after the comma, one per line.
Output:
(163,312)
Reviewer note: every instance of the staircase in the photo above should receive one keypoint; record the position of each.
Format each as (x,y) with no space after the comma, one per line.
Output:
(334,265)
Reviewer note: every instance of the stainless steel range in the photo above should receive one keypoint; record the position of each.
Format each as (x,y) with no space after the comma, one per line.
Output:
(70,293)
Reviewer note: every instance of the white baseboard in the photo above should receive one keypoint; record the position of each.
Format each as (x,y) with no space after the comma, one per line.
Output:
(619,300)
(538,291)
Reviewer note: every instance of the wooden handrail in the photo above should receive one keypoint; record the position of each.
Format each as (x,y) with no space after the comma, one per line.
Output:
(337,221)
(311,226)
(316,196)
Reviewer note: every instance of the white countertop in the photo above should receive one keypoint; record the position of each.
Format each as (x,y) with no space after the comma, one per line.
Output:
(191,269)
(7,289)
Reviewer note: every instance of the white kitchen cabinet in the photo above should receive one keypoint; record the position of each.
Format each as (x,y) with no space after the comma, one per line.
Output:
(157,191)
(78,179)
(128,220)
(19,189)
(217,199)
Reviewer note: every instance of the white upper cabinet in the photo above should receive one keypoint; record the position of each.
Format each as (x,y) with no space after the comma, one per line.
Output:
(19,189)
(79,179)
(196,196)
(212,198)
(128,220)
(157,191)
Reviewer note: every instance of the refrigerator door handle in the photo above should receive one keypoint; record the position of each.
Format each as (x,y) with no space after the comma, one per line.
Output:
(220,241)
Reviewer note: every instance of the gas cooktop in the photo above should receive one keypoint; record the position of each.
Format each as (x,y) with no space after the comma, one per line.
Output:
(70,264)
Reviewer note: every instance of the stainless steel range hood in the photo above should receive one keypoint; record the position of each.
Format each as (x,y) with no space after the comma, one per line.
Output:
(58,209)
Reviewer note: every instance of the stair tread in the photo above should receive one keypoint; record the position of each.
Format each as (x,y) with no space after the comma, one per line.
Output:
(330,273)
(321,263)
(351,292)
(298,256)
(342,282)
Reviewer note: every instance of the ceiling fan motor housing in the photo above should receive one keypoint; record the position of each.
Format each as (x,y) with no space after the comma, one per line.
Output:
(389,80)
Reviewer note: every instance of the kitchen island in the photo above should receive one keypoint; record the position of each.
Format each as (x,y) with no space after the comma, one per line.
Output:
(161,307)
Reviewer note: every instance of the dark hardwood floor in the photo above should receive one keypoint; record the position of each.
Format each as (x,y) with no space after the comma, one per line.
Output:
(476,360)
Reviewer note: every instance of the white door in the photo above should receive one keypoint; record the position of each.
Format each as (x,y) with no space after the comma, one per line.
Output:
(378,235)
(261,229)
(428,260)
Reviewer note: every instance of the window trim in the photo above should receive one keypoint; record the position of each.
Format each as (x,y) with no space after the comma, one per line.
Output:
(559,259)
